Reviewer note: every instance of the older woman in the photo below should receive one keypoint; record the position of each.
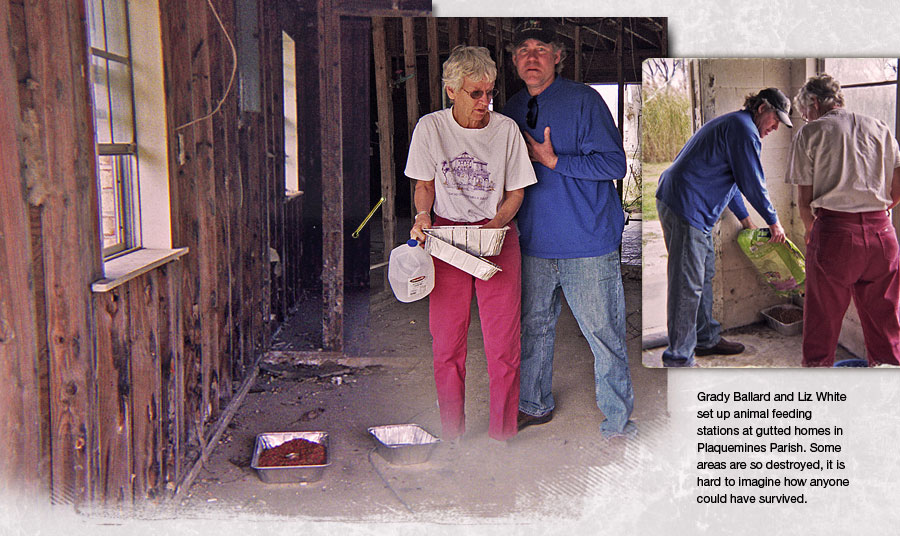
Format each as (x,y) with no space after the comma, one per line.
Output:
(471,165)
(846,167)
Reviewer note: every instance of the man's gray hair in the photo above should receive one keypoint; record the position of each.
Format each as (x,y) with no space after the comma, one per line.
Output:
(464,62)
(824,88)
(752,102)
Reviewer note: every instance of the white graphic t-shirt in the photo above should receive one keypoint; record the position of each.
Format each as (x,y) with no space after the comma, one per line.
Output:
(471,167)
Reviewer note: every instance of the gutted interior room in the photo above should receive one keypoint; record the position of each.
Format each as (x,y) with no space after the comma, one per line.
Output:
(183,199)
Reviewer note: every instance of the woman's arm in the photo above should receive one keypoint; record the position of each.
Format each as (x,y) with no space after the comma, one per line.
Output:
(424,200)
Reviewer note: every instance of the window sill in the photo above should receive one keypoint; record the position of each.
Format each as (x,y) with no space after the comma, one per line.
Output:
(129,266)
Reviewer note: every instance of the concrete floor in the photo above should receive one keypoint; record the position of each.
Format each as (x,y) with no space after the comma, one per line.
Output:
(553,469)
(765,347)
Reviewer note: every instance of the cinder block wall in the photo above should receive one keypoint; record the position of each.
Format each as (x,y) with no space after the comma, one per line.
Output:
(724,84)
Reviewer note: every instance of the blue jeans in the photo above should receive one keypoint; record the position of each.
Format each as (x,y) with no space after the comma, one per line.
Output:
(690,270)
(593,290)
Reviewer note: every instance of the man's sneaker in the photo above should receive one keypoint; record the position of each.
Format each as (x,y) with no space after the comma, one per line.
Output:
(722,347)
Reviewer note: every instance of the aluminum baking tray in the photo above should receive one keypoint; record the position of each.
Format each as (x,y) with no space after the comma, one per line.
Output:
(477,266)
(294,473)
(794,328)
(403,444)
(472,239)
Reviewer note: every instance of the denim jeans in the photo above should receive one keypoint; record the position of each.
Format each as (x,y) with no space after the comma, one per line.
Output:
(594,292)
(690,270)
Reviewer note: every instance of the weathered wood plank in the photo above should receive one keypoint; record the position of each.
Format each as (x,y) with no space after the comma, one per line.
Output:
(502,65)
(412,92)
(434,67)
(183,178)
(61,120)
(332,177)
(204,169)
(145,385)
(114,389)
(474,39)
(228,203)
(220,60)
(355,80)
(171,392)
(579,75)
(453,32)
(20,395)
(385,139)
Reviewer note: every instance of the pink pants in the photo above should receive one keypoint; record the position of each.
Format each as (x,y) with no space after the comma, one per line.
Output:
(499,305)
(851,255)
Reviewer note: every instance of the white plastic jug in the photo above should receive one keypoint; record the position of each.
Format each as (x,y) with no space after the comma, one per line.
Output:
(410,272)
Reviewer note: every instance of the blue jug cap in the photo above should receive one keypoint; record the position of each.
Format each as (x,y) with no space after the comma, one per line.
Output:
(412,242)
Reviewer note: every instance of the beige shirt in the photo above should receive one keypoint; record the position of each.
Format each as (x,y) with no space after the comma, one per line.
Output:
(848,159)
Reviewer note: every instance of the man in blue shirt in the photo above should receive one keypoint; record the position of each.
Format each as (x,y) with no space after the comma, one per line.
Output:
(718,164)
(570,226)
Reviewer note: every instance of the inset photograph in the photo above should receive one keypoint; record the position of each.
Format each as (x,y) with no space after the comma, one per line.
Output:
(767,230)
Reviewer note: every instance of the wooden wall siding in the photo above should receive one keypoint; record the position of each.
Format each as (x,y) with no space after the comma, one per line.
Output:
(46,47)
(183,180)
(222,199)
(140,420)
(332,177)
(121,388)
(221,63)
(114,398)
(21,434)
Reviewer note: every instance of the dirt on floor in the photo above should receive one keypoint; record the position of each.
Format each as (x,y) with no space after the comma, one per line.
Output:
(547,470)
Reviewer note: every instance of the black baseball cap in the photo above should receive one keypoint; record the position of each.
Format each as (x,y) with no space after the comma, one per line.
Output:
(780,102)
(543,30)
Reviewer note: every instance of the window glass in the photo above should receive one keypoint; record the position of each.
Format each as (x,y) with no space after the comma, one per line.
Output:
(101,100)
(120,97)
(116,24)
(850,71)
(878,101)
(111,80)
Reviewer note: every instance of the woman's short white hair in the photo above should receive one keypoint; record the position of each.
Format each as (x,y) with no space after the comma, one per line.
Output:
(824,88)
(464,62)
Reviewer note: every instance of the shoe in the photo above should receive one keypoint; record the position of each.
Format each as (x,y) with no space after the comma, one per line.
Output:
(525,420)
(722,347)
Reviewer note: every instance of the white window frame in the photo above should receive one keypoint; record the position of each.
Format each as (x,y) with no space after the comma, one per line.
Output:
(151,201)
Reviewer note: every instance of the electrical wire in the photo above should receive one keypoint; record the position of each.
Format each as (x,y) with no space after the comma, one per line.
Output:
(233,72)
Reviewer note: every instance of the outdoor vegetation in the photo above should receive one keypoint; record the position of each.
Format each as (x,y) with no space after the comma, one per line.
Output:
(665,122)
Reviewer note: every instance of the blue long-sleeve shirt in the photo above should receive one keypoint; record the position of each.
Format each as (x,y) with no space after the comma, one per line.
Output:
(718,164)
(574,210)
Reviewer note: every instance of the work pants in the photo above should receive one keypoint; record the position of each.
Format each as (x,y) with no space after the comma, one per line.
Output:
(499,307)
(851,255)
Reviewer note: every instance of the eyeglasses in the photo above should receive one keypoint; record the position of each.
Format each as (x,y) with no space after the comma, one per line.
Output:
(531,117)
(477,94)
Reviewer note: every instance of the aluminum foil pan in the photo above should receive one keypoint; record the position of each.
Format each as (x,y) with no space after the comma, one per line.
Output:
(794,328)
(403,444)
(477,266)
(472,239)
(294,473)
